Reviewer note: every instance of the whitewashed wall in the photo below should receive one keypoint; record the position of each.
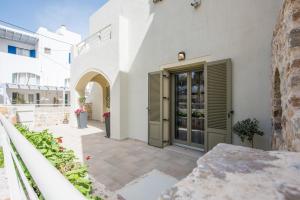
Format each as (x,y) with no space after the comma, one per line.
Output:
(147,36)
(55,67)
(11,63)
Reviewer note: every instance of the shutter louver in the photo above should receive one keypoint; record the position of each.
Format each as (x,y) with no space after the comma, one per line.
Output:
(218,100)
(155,137)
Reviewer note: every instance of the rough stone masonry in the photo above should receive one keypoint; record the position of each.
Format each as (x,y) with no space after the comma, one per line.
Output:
(235,173)
(286,78)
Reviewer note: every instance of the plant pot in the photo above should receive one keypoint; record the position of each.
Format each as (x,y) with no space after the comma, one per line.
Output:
(82,120)
(107,126)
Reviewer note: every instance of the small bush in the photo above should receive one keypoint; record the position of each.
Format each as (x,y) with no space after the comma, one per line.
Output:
(64,160)
(1,158)
(247,129)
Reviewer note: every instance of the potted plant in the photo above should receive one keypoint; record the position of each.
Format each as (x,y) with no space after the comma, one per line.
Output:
(82,116)
(106,116)
(247,129)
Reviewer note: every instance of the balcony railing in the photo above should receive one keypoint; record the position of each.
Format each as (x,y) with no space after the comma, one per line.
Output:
(52,184)
(100,36)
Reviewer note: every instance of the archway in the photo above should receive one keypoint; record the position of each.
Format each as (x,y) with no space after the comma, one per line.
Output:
(95,87)
(277,112)
(277,108)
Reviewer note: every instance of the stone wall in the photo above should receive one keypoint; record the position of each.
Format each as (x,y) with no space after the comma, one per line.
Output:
(286,78)
(49,116)
(37,115)
(235,173)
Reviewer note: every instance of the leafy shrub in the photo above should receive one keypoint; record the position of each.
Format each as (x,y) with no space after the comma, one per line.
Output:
(64,160)
(247,129)
(1,158)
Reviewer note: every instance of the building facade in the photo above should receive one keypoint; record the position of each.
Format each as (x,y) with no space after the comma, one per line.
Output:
(35,67)
(176,73)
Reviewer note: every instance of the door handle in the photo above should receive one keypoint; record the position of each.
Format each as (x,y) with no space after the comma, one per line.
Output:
(230,114)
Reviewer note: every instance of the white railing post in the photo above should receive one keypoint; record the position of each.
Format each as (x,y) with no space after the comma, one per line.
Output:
(52,184)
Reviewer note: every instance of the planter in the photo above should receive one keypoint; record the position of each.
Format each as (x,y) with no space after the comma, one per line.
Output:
(107,126)
(82,120)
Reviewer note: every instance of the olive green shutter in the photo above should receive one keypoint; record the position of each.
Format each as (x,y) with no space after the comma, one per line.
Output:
(165,107)
(155,137)
(218,103)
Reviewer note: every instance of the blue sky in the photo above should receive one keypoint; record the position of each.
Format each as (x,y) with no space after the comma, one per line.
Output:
(32,14)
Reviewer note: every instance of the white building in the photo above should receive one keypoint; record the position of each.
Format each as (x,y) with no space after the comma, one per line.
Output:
(173,73)
(35,68)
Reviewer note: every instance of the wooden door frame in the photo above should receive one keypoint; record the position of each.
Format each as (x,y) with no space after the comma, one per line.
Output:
(181,69)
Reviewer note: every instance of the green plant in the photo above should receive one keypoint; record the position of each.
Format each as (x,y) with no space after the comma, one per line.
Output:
(181,114)
(197,114)
(82,100)
(1,158)
(64,160)
(247,129)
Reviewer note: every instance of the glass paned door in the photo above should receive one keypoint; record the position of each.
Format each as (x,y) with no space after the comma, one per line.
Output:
(189,108)
(197,107)
(181,107)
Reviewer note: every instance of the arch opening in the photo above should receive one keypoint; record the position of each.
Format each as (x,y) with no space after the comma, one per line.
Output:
(96,90)
(277,107)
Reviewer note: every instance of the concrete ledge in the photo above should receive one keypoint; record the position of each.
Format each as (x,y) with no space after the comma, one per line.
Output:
(234,172)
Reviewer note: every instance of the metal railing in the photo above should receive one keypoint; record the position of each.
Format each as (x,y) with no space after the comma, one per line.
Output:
(101,35)
(52,184)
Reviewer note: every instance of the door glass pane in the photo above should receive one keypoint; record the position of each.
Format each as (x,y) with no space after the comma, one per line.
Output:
(181,129)
(197,107)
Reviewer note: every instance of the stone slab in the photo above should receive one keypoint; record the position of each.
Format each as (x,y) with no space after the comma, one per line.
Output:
(147,187)
(235,173)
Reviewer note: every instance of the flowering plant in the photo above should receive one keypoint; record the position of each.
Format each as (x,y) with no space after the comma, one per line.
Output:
(106,115)
(79,110)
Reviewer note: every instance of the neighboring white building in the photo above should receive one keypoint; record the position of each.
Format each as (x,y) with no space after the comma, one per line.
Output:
(35,68)
(212,67)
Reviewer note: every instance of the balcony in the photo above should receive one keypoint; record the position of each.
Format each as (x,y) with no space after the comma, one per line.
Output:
(94,40)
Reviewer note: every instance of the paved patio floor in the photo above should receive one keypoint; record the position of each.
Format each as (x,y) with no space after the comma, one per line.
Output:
(116,163)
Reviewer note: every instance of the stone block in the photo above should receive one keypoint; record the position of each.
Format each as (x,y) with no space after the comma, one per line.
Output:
(295,37)
(233,172)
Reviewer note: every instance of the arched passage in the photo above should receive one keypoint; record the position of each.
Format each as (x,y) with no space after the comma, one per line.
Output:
(95,87)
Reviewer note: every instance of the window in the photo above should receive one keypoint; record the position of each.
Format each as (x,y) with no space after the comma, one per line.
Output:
(66,99)
(47,50)
(30,98)
(21,51)
(37,100)
(25,78)
(17,98)
(14,97)
(67,82)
